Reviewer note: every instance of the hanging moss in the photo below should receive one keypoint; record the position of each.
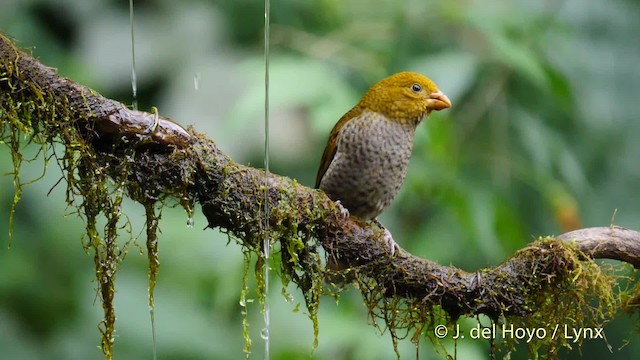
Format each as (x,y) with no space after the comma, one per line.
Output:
(107,157)
(300,255)
(98,174)
(154,262)
(559,285)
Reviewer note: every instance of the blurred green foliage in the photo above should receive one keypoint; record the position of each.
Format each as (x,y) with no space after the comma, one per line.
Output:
(542,138)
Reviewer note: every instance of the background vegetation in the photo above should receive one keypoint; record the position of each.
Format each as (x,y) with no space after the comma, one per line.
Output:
(542,139)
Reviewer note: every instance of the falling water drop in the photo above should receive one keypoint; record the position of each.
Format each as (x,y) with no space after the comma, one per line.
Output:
(152,220)
(266,245)
(153,331)
(190,222)
(264,334)
(266,242)
(196,81)
(134,81)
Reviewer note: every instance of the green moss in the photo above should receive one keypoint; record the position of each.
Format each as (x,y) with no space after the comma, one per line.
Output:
(575,292)
(299,260)
(96,182)
(560,287)
(154,262)
(244,300)
(555,283)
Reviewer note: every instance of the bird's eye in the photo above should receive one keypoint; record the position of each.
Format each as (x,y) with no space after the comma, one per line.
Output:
(416,87)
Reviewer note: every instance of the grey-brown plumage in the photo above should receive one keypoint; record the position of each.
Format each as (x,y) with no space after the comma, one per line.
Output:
(370,164)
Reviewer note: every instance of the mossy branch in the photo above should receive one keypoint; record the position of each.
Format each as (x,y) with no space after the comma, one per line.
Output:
(154,159)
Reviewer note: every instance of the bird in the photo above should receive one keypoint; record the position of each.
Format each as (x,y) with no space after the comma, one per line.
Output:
(367,154)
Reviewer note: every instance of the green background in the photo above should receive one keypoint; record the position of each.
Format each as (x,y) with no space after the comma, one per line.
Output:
(543,136)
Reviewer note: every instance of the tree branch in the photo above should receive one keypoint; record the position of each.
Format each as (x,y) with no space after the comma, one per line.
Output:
(612,242)
(170,160)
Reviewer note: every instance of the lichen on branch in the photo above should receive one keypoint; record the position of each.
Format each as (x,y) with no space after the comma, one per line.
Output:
(111,151)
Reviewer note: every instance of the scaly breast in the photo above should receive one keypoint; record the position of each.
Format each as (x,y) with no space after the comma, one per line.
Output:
(370,164)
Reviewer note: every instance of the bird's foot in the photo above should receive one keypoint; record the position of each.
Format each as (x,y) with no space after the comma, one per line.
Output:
(392,244)
(388,239)
(343,210)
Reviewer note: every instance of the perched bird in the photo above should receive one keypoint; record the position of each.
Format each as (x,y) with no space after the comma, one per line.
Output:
(366,158)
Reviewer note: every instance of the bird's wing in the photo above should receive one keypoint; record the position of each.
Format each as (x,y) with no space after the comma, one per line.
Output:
(328,154)
(332,144)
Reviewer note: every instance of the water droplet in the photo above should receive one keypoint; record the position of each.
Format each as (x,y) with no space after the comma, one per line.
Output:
(264,334)
(288,298)
(196,81)
(243,303)
(190,222)
(134,81)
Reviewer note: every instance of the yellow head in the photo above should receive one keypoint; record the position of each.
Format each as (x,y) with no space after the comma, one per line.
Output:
(404,97)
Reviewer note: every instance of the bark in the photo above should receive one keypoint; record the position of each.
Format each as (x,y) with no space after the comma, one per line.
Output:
(169,157)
